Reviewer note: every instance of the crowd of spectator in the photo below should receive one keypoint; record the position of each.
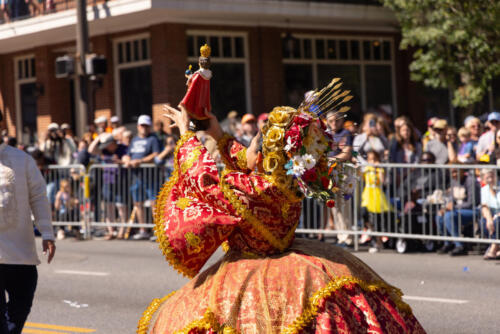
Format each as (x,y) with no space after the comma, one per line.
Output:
(125,190)
(455,194)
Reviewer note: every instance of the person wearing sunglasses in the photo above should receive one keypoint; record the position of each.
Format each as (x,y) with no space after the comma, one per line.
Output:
(438,146)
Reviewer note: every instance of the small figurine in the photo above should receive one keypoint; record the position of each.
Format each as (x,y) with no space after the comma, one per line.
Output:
(197,98)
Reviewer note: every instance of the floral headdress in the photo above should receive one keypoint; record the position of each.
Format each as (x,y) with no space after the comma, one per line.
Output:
(296,145)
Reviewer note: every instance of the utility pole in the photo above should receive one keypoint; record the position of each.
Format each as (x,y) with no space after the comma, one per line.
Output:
(81,80)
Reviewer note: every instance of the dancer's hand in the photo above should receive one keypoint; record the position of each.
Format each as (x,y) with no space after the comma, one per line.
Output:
(214,130)
(179,118)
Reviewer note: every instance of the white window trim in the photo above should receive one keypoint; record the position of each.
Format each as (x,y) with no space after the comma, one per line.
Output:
(361,62)
(118,67)
(17,84)
(234,60)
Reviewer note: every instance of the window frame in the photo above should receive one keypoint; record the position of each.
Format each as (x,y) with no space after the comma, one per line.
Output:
(221,60)
(17,84)
(125,65)
(361,62)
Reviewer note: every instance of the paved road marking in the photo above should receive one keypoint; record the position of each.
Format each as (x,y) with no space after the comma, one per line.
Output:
(436,300)
(77,272)
(39,331)
(35,328)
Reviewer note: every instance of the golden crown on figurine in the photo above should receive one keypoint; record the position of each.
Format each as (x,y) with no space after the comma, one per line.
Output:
(205,51)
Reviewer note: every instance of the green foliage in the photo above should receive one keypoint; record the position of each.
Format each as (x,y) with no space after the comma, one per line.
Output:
(456,43)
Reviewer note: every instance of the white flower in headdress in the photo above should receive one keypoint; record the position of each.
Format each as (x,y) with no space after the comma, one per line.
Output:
(289,145)
(298,165)
(309,161)
(349,185)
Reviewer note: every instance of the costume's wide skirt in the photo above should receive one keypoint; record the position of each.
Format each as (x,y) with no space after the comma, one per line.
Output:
(311,288)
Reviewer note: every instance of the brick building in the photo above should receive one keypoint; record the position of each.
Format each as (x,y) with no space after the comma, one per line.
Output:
(265,53)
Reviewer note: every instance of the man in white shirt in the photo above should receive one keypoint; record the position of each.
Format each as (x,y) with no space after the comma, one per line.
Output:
(22,193)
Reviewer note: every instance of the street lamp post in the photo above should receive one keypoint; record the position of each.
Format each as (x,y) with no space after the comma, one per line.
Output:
(81,82)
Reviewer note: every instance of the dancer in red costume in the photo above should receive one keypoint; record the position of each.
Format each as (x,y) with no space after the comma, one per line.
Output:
(268,282)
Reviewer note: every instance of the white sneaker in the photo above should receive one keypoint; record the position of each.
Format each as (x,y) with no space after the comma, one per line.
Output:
(61,234)
(373,250)
(141,236)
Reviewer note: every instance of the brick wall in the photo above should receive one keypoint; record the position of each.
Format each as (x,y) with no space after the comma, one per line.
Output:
(104,95)
(54,104)
(168,60)
(267,57)
(8,94)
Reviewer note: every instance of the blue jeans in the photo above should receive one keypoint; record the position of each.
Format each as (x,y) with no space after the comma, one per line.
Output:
(452,219)
(19,281)
(448,225)
(441,228)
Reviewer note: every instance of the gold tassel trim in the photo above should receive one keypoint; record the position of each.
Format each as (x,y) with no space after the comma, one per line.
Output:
(311,311)
(242,159)
(208,322)
(161,201)
(144,322)
(222,147)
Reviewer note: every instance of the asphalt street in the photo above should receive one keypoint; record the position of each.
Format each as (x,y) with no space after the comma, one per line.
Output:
(104,286)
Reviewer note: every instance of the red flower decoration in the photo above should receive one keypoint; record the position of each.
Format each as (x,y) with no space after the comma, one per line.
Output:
(310,175)
(302,120)
(294,134)
(325,182)
(330,203)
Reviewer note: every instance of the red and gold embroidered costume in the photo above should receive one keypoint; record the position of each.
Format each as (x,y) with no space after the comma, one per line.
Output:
(267,282)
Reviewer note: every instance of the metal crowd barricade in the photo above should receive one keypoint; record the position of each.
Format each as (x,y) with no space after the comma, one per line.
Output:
(67,196)
(123,197)
(108,197)
(417,198)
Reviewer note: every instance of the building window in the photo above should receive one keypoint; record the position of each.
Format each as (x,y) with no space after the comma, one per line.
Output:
(133,77)
(365,65)
(26,68)
(495,93)
(26,104)
(230,80)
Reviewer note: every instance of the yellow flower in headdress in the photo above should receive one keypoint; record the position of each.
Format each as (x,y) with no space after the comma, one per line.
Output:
(309,140)
(281,116)
(273,161)
(274,138)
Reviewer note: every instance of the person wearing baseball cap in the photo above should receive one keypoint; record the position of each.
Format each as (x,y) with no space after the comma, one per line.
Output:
(262,119)
(115,121)
(486,144)
(53,127)
(101,123)
(113,193)
(438,145)
(249,128)
(56,148)
(143,149)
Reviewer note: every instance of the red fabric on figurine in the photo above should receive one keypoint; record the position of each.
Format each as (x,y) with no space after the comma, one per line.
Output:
(197,99)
